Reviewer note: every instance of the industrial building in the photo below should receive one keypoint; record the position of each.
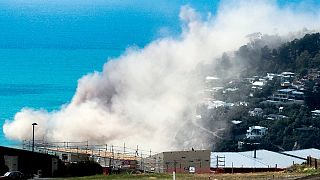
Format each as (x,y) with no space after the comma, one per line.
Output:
(116,158)
(196,161)
(27,162)
(304,153)
(255,161)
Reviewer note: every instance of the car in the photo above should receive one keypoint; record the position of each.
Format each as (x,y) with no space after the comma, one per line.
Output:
(13,175)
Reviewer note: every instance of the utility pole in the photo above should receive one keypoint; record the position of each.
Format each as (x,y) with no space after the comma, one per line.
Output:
(33,124)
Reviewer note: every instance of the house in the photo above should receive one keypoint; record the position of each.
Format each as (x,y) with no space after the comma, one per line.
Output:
(285,92)
(286,78)
(235,122)
(298,84)
(297,95)
(258,84)
(315,114)
(211,78)
(270,76)
(276,117)
(257,112)
(256,132)
(287,96)
(212,81)
(287,74)
(230,90)
(216,104)
(285,84)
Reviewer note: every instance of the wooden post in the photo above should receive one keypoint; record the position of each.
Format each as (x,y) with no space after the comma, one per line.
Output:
(124,149)
(141,162)
(112,156)
(232,167)
(105,159)
(217,162)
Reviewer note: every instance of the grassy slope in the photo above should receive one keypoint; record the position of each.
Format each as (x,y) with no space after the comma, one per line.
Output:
(245,176)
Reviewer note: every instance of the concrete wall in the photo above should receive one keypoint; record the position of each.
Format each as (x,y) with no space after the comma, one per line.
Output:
(179,161)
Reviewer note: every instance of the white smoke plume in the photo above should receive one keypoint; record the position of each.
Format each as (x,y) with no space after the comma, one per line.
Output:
(146,95)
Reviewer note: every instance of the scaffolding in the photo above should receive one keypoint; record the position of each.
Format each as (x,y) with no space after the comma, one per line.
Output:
(107,155)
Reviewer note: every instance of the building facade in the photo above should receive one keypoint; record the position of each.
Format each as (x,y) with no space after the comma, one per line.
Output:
(196,161)
(27,162)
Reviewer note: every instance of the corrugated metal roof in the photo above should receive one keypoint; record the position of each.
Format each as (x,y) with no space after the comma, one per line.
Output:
(264,159)
(304,153)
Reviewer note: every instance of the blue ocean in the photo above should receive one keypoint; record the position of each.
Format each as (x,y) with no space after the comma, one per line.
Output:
(46,46)
(43,78)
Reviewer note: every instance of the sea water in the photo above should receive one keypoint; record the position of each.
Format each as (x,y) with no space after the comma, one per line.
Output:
(43,78)
(45,47)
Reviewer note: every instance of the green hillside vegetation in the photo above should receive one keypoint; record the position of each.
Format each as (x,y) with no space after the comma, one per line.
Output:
(299,130)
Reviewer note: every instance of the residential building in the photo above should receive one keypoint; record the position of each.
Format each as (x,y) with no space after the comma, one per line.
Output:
(276,117)
(257,112)
(287,96)
(256,132)
(315,114)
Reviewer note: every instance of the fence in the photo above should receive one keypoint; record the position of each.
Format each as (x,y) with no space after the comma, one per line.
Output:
(107,155)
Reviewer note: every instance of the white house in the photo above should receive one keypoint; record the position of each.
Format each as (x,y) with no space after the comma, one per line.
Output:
(287,74)
(315,113)
(270,76)
(255,132)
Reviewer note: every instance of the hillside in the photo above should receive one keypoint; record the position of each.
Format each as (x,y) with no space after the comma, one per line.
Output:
(280,80)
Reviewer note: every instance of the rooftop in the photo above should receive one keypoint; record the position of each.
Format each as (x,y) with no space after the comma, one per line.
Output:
(304,153)
(264,159)
(316,111)
(211,78)
(287,73)
(285,90)
(257,127)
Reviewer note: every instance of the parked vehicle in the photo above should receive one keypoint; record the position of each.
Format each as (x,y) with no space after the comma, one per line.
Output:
(13,175)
